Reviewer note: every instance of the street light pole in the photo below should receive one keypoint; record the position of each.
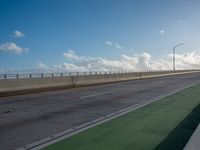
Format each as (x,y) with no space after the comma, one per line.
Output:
(174,59)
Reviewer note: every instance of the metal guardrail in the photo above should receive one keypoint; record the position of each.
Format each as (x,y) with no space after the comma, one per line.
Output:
(32,75)
(44,75)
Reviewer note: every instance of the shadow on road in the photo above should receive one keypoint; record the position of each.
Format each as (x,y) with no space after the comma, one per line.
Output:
(178,138)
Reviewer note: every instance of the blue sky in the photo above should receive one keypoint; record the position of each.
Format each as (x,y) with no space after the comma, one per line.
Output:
(49,28)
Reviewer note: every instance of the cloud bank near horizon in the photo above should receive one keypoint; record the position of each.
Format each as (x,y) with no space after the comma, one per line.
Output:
(137,62)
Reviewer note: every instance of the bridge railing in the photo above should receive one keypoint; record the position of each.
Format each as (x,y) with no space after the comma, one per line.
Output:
(63,74)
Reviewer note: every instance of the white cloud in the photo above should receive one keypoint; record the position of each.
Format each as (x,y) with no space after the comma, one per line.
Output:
(187,60)
(12,47)
(41,65)
(108,43)
(18,34)
(162,31)
(113,44)
(117,45)
(71,55)
(137,62)
(142,61)
(70,67)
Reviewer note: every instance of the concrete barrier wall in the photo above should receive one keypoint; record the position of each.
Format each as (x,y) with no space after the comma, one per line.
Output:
(15,85)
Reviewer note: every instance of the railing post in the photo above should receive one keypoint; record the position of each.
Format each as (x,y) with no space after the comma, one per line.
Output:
(61,74)
(77,73)
(4,76)
(30,76)
(90,73)
(17,76)
(52,75)
(42,75)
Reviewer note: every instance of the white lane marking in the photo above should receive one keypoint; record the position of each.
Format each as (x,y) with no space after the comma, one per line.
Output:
(97,94)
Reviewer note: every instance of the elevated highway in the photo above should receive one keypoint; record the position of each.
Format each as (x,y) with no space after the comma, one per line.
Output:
(28,118)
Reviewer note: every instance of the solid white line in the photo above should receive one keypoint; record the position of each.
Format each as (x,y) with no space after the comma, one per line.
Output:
(75,130)
(97,94)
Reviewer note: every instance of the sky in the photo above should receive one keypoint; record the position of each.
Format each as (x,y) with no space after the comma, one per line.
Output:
(98,35)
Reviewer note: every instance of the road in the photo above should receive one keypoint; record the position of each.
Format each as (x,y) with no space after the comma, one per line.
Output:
(28,118)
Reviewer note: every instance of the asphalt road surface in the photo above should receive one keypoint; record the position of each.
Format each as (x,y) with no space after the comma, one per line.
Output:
(28,118)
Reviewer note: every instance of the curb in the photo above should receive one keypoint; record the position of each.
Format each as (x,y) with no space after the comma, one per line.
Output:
(194,141)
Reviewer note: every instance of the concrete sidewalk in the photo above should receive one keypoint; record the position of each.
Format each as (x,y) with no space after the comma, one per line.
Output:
(194,141)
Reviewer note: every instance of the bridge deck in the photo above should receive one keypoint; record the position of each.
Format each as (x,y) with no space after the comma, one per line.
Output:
(27,118)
